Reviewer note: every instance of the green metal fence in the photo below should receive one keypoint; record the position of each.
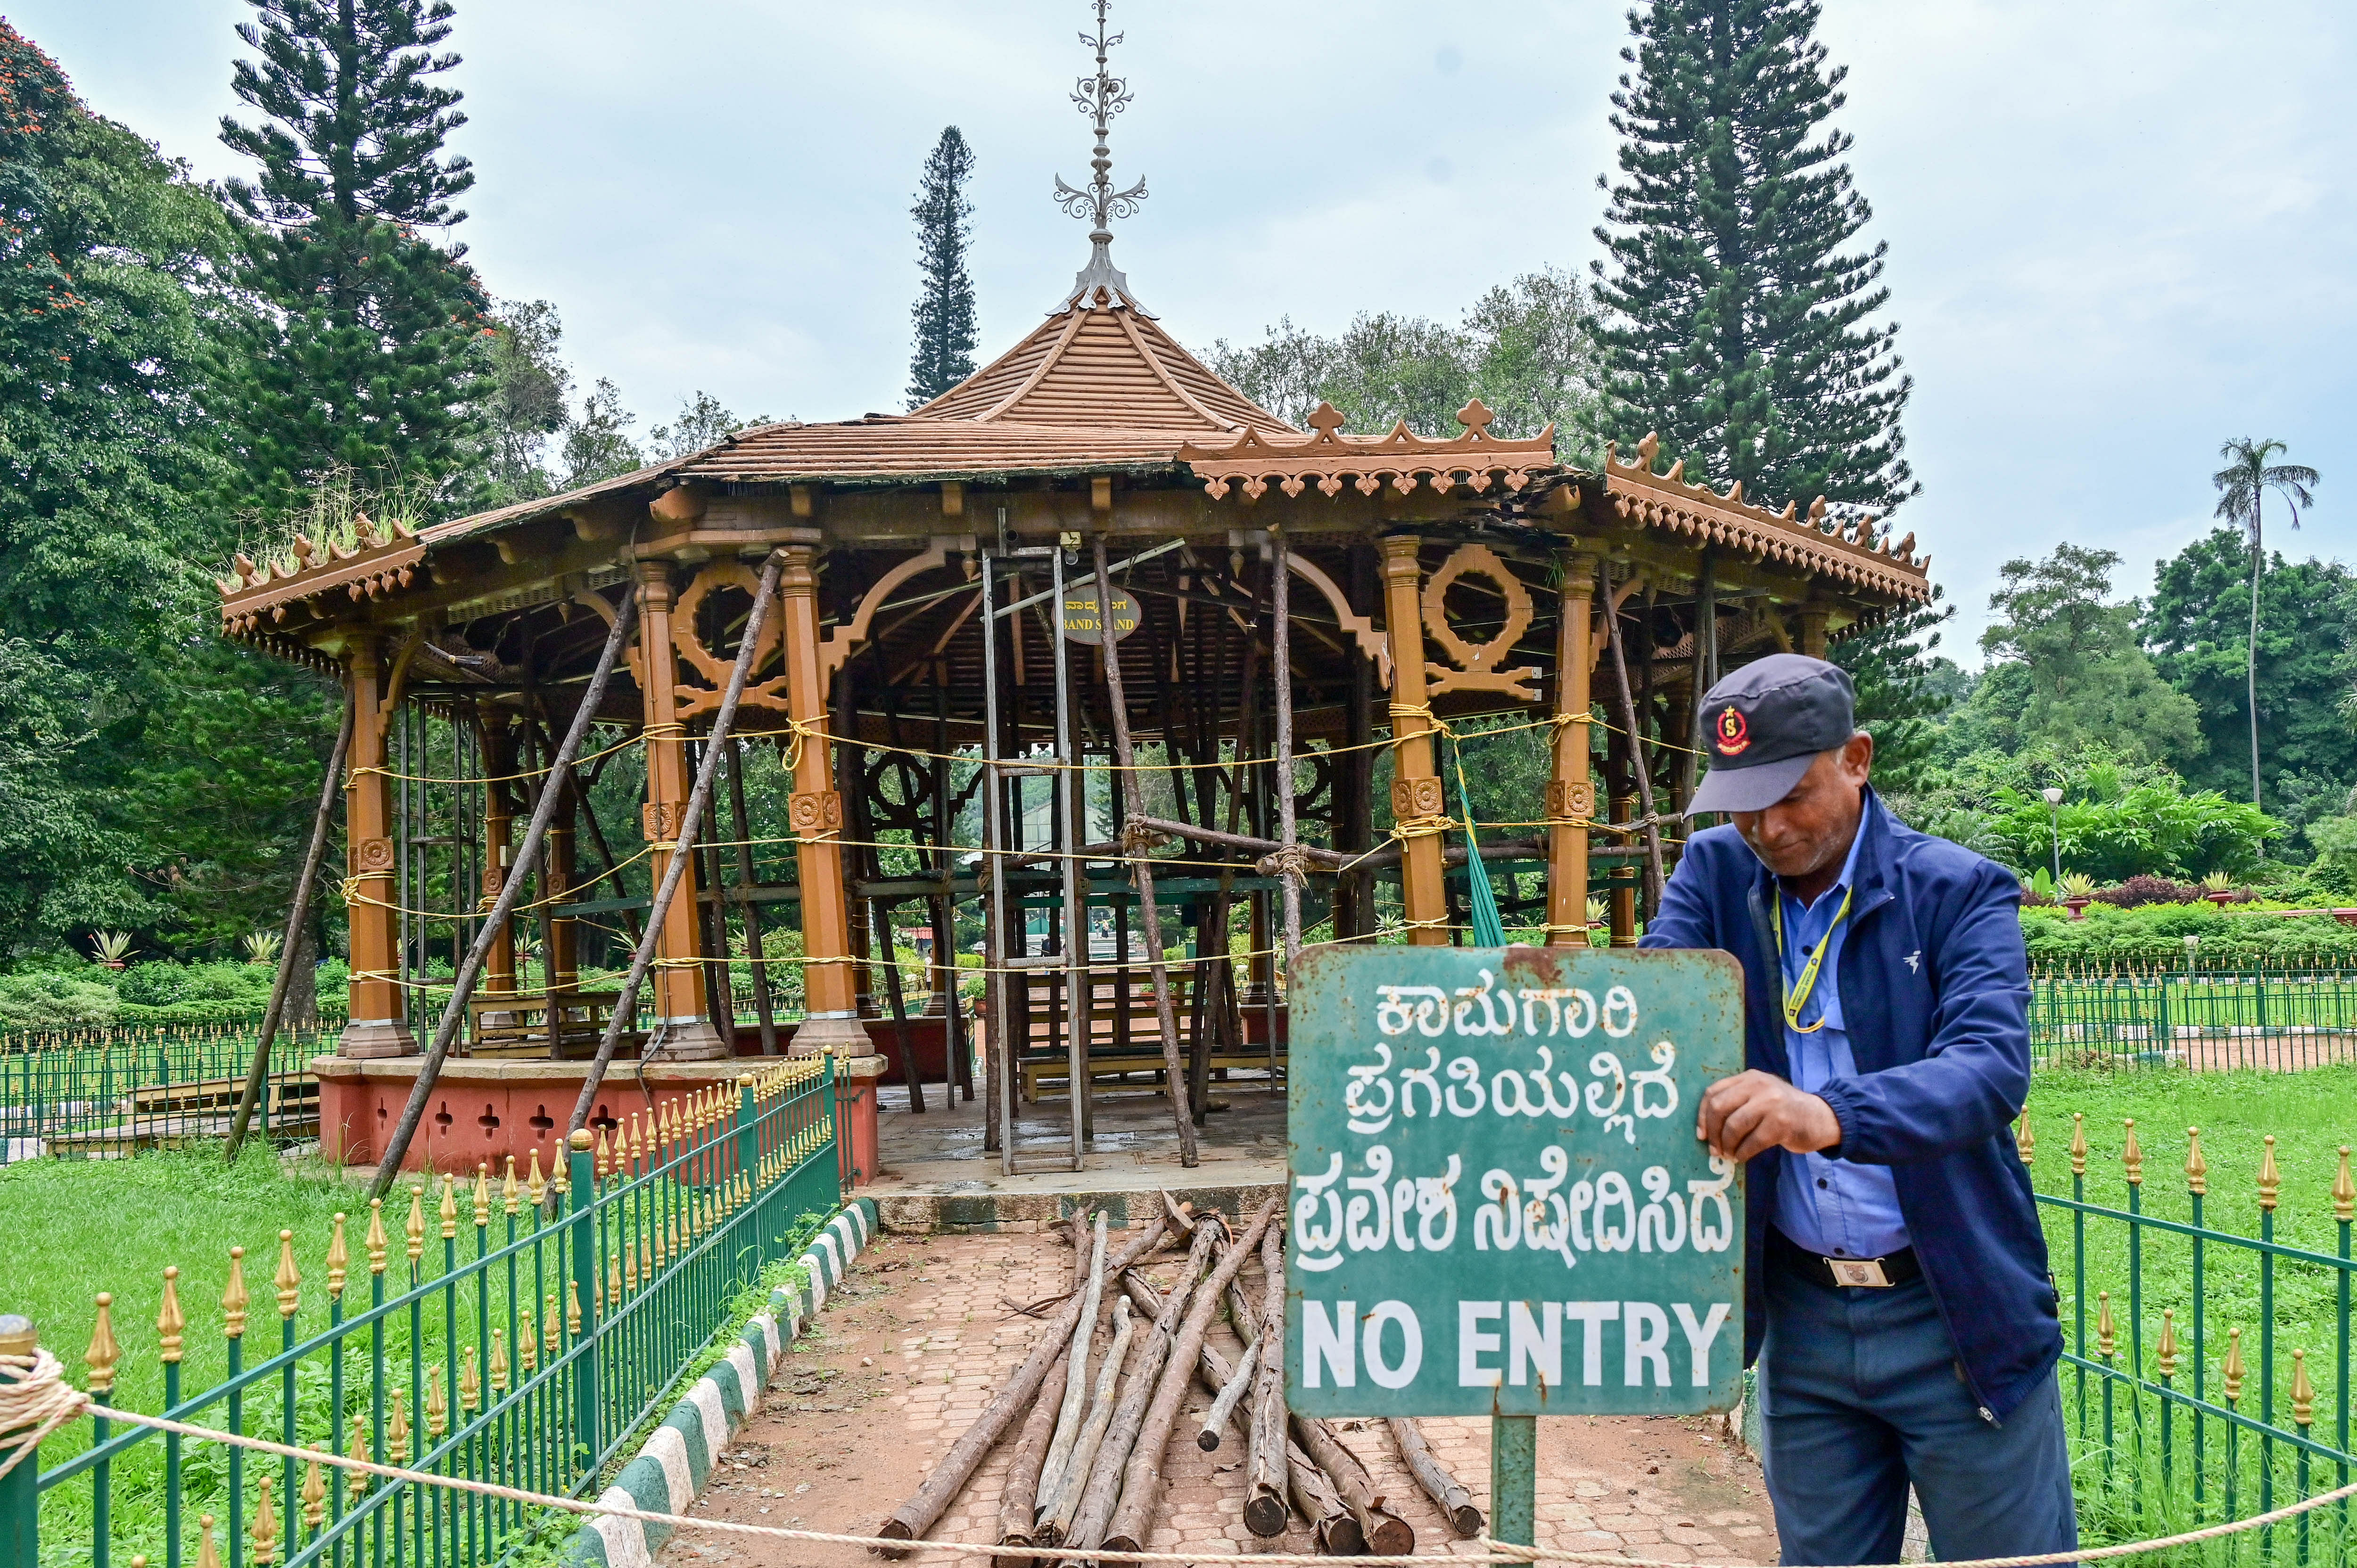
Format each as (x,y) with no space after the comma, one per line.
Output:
(2131,1016)
(497,1336)
(117,1092)
(2209,1369)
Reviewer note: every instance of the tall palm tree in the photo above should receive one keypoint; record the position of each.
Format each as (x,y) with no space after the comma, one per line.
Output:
(2243,485)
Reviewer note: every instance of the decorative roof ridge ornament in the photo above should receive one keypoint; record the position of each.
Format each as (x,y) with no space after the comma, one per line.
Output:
(1100,286)
(1329,458)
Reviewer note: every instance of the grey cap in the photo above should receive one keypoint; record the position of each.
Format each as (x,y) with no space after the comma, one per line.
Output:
(1765,724)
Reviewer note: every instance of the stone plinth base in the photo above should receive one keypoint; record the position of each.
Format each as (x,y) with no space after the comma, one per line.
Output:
(839,1036)
(368,1041)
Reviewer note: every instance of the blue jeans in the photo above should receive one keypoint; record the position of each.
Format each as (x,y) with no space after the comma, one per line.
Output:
(1859,1393)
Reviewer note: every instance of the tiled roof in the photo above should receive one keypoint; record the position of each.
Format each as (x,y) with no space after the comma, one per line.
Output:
(1105,368)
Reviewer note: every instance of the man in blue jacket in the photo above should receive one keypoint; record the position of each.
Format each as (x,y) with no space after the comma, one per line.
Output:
(1899,1307)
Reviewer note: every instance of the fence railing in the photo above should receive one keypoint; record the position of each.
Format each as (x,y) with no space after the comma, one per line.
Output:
(118,1095)
(2207,1372)
(519,1333)
(2130,1016)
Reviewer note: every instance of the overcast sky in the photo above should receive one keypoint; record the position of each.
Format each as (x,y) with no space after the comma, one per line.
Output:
(2118,230)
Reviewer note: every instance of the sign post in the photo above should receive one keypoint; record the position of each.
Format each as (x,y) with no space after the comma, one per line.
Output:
(1499,1206)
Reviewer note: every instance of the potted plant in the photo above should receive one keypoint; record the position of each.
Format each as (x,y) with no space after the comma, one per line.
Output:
(112,949)
(2218,888)
(2078,890)
(260,947)
(1599,923)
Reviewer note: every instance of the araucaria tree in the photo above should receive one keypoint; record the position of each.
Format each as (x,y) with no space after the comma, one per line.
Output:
(2242,486)
(944,309)
(1740,318)
(360,358)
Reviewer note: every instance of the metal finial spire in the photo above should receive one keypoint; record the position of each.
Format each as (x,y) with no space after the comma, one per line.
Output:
(1100,97)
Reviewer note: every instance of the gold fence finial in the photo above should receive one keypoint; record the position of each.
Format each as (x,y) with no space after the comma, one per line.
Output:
(2132,1157)
(377,1243)
(2232,1368)
(482,1197)
(2165,1352)
(104,1352)
(552,1333)
(2197,1169)
(470,1382)
(2078,1143)
(265,1526)
(340,1258)
(2270,1181)
(527,1343)
(234,1301)
(288,1279)
(2344,1191)
(315,1496)
(2024,1142)
(170,1324)
(438,1405)
(206,1556)
(2303,1393)
(535,1189)
(396,1428)
(357,1484)
(508,1189)
(500,1358)
(573,1307)
(448,1213)
(2106,1330)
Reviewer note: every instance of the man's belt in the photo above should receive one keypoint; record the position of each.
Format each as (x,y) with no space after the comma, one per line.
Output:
(1854,1274)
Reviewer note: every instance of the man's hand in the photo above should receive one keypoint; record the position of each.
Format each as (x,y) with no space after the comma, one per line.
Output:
(1755,1111)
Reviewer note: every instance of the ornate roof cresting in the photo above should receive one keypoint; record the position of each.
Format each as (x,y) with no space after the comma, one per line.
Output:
(1100,285)
(1849,549)
(1328,458)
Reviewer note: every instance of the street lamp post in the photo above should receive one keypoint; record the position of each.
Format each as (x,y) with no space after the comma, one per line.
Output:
(2054,820)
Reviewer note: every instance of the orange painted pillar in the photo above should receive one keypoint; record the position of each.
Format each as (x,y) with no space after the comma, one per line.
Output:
(376,1025)
(829,982)
(499,847)
(1415,782)
(678,983)
(563,956)
(1571,796)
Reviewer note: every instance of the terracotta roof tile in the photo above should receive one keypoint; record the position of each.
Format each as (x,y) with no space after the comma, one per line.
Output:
(1109,368)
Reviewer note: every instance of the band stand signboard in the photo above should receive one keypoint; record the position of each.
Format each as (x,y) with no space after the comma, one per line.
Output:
(1499,1204)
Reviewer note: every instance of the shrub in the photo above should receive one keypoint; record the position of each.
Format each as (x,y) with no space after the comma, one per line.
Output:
(2236,938)
(2143,888)
(49,999)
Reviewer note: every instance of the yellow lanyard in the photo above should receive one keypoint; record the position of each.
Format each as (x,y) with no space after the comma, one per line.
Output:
(1797,993)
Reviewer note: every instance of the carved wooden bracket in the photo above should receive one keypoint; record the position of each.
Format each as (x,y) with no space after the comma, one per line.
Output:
(372,857)
(1570,799)
(816,811)
(1416,798)
(693,700)
(1478,669)
(659,821)
(1361,628)
(840,642)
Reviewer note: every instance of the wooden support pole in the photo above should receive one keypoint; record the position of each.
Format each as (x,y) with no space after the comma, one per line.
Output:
(1018,1497)
(764,1005)
(679,987)
(1387,1534)
(463,983)
(1638,763)
(563,966)
(1265,1479)
(1417,794)
(919,1513)
(682,857)
(1142,867)
(830,983)
(1571,795)
(1455,1499)
(374,1020)
(291,944)
(500,861)
(1281,656)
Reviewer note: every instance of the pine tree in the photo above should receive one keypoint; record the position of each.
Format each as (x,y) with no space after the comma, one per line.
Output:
(362,359)
(945,310)
(1741,329)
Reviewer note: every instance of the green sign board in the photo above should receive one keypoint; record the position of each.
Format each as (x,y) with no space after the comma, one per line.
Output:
(1499,1204)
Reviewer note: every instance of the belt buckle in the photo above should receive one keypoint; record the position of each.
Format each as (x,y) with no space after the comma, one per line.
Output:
(1863,1273)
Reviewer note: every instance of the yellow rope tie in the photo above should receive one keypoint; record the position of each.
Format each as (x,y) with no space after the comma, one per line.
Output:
(1421,827)
(383,772)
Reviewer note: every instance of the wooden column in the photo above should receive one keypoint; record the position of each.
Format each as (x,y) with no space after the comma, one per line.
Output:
(678,984)
(1415,780)
(830,989)
(1571,796)
(499,845)
(1624,879)
(1812,631)
(377,1027)
(563,956)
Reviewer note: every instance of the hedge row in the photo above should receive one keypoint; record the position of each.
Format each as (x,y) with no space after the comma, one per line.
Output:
(2156,933)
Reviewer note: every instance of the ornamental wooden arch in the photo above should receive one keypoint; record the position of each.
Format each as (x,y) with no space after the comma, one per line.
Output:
(1478,669)
(694,700)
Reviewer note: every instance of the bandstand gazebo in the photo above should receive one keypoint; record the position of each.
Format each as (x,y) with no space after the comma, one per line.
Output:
(935,653)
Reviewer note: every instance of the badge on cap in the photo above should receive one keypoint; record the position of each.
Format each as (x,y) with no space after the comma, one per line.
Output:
(1734,735)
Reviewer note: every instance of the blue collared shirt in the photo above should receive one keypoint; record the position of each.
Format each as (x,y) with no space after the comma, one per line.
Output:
(1832,1208)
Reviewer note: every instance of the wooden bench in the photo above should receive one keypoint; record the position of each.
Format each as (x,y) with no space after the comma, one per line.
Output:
(1123,1038)
(518,1026)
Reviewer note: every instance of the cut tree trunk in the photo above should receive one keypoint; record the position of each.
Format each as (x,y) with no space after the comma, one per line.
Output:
(1018,1503)
(1387,1534)
(1339,1534)
(1264,1470)
(921,1512)
(1076,1371)
(1456,1501)
(1071,1490)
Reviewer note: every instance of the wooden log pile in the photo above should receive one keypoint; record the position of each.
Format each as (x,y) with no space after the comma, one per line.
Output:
(1093,1408)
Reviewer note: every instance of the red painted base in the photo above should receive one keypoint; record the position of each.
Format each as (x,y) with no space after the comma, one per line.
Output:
(483,1111)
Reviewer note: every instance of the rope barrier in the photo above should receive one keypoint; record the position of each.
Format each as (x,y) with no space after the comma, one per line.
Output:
(41,1399)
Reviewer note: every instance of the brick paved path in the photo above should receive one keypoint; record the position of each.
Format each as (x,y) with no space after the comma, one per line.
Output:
(916,1344)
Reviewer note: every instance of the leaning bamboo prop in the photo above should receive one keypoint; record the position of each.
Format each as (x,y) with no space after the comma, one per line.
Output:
(1133,804)
(1141,1487)
(1637,763)
(1019,1500)
(1289,860)
(511,888)
(288,945)
(1456,1501)
(682,851)
(921,1512)
(1101,1492)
